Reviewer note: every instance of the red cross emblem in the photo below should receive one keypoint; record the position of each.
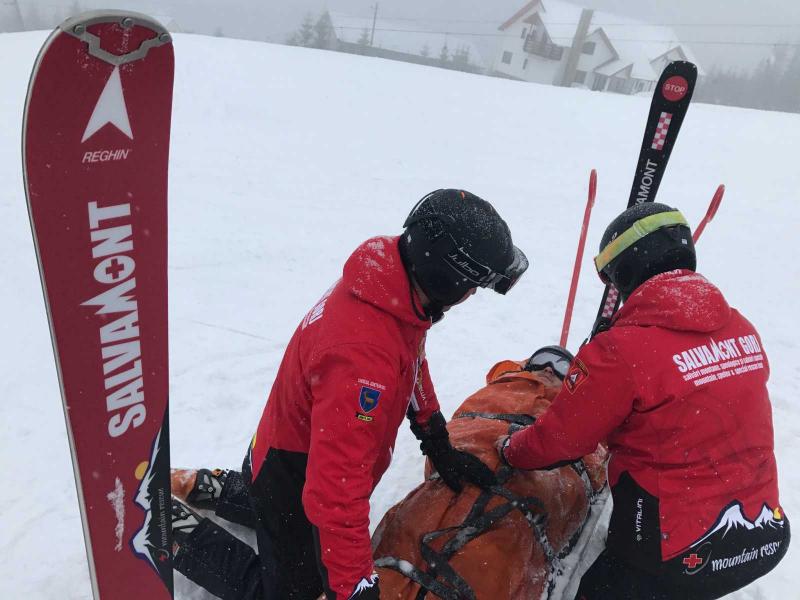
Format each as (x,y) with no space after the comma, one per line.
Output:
(114,268)
(692,561)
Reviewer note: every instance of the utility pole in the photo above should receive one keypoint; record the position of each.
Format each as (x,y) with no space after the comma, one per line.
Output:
(374,19)
(577,47)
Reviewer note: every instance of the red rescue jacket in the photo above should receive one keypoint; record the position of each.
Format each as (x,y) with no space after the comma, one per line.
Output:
(350,372)
(678,389)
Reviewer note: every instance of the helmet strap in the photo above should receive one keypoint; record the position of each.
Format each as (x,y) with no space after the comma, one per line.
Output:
(427,310)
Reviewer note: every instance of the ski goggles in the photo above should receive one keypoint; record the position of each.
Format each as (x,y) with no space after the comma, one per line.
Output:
(641,228)
(481,275)
(548,357)
(471,269)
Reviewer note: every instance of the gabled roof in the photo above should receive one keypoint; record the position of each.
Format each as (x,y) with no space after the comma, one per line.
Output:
(636,43)
(399,36)
(519,14)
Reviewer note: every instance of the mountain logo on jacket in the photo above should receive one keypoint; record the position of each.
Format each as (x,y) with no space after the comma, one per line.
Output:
(733,519)
(576,375)
(365,587)
(368,398)
(735,540)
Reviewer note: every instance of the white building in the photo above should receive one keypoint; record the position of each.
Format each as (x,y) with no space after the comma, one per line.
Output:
(556,42)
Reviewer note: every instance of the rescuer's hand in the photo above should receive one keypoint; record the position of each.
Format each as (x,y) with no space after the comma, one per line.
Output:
(454,466)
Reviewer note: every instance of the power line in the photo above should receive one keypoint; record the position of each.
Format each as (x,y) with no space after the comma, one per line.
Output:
(569,38)
(574,24)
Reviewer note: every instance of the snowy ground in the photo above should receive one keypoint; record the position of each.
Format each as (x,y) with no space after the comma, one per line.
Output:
(283,160)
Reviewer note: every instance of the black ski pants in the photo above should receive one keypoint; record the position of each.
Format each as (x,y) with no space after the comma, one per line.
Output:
(610,578)
(220,562)
(285,567)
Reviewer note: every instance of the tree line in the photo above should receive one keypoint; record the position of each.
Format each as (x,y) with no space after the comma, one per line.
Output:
(320,33)
(773,85)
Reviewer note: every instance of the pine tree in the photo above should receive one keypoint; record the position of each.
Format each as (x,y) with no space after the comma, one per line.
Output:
(324,35)
(444,54)
(426,51)
(791,88)
(461,56)
(306,33)
(363,40)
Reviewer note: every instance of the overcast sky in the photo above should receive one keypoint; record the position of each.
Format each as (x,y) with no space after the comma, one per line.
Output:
(731,33)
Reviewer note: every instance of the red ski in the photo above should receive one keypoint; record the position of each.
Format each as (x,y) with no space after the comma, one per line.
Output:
(95,152)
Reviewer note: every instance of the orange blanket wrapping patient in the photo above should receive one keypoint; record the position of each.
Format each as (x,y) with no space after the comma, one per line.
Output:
(488,545)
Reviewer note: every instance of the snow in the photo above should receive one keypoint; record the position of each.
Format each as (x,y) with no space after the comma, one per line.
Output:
(285,159)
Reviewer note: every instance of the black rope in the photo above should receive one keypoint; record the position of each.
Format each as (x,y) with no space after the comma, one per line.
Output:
(517,419)
(422,579)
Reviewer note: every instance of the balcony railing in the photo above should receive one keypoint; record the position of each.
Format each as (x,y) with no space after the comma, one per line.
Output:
(543,47)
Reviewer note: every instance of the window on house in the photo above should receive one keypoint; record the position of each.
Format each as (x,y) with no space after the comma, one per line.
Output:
(620,85)
(580,76)
(524,33)
(506,60)
(599,82)
(588,47)
(525,64)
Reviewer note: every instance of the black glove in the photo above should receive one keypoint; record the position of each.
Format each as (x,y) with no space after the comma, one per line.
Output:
(451,464)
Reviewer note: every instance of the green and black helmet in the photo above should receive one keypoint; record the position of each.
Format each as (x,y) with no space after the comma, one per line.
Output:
(645,240)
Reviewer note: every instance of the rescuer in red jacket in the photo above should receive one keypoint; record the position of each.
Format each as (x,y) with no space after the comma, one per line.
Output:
(677,387)
(354,368)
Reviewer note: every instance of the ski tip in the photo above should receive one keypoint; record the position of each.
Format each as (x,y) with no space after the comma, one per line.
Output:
(91,26)
(124,18)
(683,64)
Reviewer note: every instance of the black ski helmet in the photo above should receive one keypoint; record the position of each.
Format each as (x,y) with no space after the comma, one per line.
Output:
(455,241)
(645,240)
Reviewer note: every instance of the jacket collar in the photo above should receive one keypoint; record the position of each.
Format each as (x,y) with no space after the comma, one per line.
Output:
(680,300)
(375,274)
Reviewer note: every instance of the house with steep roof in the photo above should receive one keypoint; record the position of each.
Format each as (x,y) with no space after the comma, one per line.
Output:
(560,43)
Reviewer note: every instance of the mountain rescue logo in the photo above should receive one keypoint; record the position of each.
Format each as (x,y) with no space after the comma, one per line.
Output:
(745,540)
(697,559)
(110,108)
(692,561)
(576,375)
(151,541)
